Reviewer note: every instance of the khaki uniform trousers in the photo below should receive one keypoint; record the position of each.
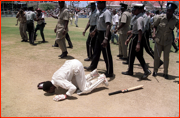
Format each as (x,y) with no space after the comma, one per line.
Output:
(60,40)
(122,46)
(22,29)
(157,54)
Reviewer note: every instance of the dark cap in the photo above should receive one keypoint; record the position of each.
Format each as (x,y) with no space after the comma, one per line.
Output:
(30,8)
(61,1)
(171,5)
(123,6)
(101,2)
(91,4)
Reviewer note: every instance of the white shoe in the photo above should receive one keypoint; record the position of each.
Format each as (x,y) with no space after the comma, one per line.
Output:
(105,82)
(92,75)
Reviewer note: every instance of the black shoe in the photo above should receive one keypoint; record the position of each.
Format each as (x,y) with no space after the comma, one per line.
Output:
(161,63)
(54,46)
(76,26)
(146,74)
(122,58)
(70,47)
(109,75)
(89,68)
(24,40)
(125,62)
(154,74)
(87,59)
(64,54)
(43,41)
(127,73)
(119,55)
(166,76)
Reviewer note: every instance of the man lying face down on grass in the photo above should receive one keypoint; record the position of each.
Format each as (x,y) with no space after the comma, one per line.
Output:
(70,77)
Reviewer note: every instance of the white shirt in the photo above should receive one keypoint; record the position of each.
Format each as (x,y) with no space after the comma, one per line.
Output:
(70,75)
(115,19)
(41,21)
(30,16)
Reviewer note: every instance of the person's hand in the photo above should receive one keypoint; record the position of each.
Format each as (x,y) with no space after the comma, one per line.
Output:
(115,31)
(127,41)
(55,30)
(175,41)
(59,97)
(92,34)
(138,47)
(153,36)
(104,43)
(84,33)
(129,32)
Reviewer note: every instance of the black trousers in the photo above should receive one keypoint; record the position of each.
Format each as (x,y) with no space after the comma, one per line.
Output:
(68,40)
(90,43)
(133,54)
(41,28)
(106,53)
(30,29)
(146,44)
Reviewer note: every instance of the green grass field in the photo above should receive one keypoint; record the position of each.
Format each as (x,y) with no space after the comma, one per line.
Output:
(23,66)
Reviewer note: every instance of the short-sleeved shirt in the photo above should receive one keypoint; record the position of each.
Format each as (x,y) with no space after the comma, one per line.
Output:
(22,19)
(93,17)
(41,21)
(146,22)
(115,19)
(138,24)
(125,18)
(62,17)
(30,16)
(165,28)
(104,17)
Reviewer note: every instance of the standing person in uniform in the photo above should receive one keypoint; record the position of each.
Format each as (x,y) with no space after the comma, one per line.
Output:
(103,38)
(90,43)
(76,18)
(162,34)
(123,28)
(30,17)
(40,24)
(146,33)
(115,21)
(23,26)
(70,77)
(136,49)
(62,28)
(67,36)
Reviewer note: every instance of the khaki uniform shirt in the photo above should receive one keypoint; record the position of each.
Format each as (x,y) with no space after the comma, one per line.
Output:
(125,18)
(63,15)
(164,34)
(138,24)
(104,17)
(22,19)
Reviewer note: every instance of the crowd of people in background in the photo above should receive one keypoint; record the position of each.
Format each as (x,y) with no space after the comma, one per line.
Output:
(132,28)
